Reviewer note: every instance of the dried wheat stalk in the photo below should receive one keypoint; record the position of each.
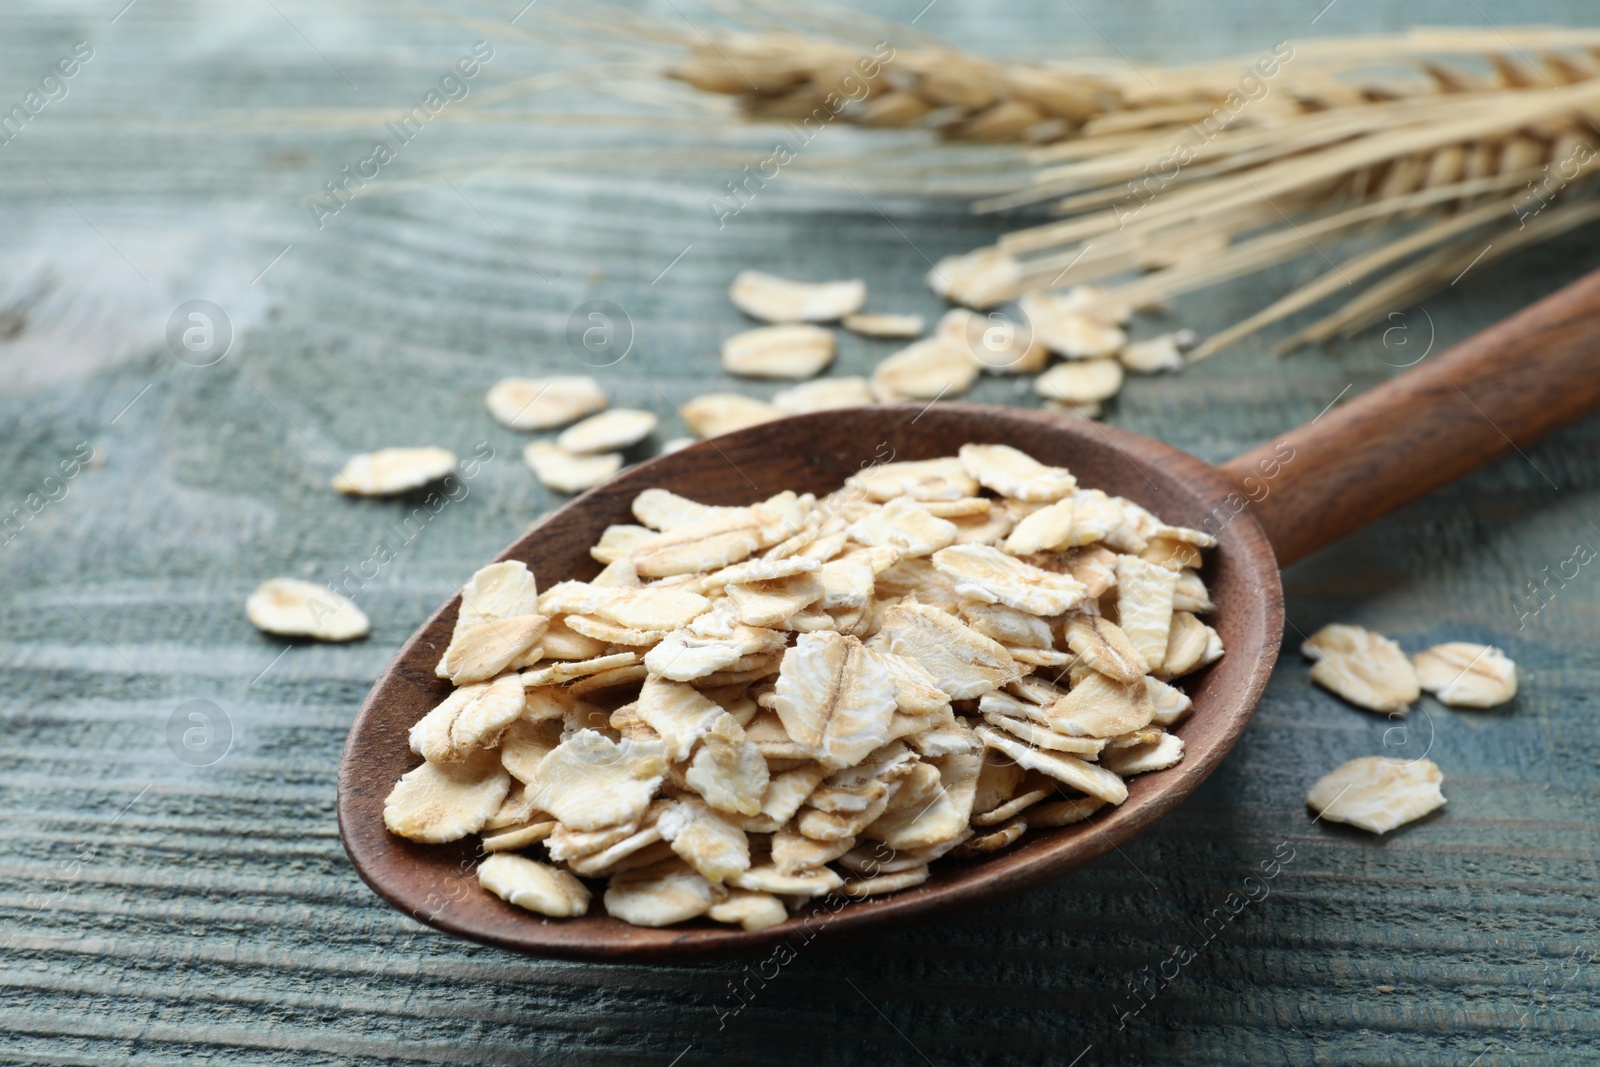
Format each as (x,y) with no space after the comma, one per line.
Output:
(1199,174)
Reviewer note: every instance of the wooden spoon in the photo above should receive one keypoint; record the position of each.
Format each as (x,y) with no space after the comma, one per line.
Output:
(1452,414)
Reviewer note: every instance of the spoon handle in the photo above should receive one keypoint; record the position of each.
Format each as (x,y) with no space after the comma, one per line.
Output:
(1493,393)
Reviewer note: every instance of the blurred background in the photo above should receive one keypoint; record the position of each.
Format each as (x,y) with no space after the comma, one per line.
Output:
(162,900)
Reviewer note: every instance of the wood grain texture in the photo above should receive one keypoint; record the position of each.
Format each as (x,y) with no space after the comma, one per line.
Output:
(1484,399)
(155,912)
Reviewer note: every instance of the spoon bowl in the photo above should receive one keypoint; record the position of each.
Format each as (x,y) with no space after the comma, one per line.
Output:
(816,453)
(1457,411)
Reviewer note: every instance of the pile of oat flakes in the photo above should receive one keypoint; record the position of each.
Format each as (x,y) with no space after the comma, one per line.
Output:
(753,706)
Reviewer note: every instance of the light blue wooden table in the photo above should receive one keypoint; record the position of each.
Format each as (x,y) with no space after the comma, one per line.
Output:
(157,910)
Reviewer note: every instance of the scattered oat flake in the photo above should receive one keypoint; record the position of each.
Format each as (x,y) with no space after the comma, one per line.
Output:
(609,431)
(824,394)
(679,713)
(1152,356)
(842,827)
(1103,646)
(544,403)
(1363,667)
(1044,737)
(718,413)
(704,546)
(1190,594)
(515,810)
(390,471)
(1171,553)
(906,526)
(566,843)
(538,887)
(1097,706)
(1466,675)
(789,789)
(683,656)
(983,530)
(728,770)
(1064,812)
(1144,606)
(1081,382)
(440,802)
(1096,781)
(768,879)
(660,509)
(1102,305)
(885,883)
(567,670)
(1012,628)
(931,369)
(1082,302)
(793,351)
(1141,759)
(516,837)
(609,679)
(1170,703)
(558,469)
(1074,409)
(1048,528)
(291,607)
(1041,657)
(471,718)
(589,781)
(916,690)
(993,840)
(561,642)
(795,853)
(640,843)
(921,480)
(574,598)
(964,508)
(498,591)
(834,698)
(881,324)
(753,911)
(773,299)
(1015,474)
(1036,690)
(980,279)
(963,662)
(876,858)
(995,342)
(1078,337)
(659,896)
(479,651)
(1191,644)
(1378,794)
(654,607)
(525,743)
(987,574)
(775,601)
(619,541)
(1015,806)
(712,843)
(761,570)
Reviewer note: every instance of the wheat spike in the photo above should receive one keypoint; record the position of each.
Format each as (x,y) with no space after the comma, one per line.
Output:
(1482,130)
